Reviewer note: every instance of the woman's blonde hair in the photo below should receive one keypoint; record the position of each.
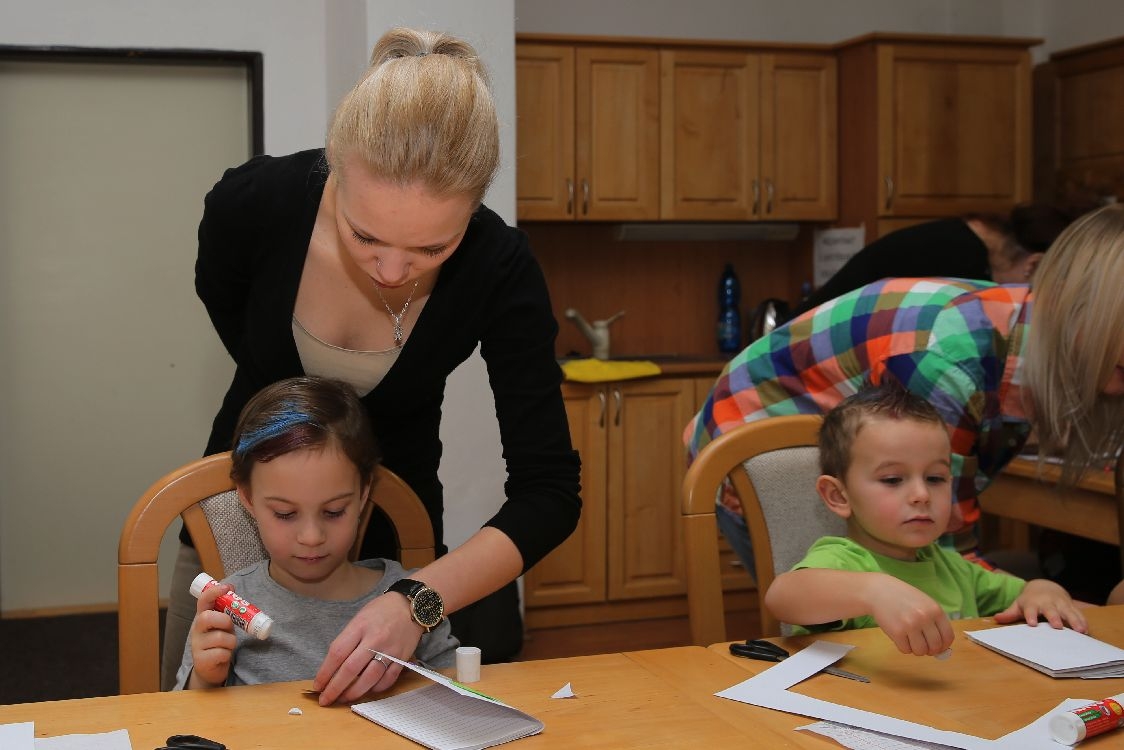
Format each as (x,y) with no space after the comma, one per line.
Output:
(1075,341)
(422,113)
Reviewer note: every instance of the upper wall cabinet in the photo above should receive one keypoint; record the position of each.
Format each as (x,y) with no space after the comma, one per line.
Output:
(933,126)
(587,132)
(747,136)
(1079,108)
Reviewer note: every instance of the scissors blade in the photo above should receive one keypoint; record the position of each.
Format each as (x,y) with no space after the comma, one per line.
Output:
(844,673)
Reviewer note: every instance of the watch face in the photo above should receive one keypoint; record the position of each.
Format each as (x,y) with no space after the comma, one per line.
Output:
(428,608)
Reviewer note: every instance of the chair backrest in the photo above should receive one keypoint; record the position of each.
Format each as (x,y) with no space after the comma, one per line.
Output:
(226,539)
(773,464)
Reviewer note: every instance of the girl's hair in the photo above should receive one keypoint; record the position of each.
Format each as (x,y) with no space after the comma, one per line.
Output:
(422,113)
(300,413)
(841,425)
(1075,341)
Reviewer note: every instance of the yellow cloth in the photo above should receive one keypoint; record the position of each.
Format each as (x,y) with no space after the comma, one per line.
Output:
(599,370)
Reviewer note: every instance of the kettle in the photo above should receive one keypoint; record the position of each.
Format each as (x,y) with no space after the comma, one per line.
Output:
(768,315)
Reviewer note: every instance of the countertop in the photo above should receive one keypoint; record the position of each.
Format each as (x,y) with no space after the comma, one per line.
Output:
(674,364)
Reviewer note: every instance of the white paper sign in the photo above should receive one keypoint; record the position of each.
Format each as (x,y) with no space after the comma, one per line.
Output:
(832,248)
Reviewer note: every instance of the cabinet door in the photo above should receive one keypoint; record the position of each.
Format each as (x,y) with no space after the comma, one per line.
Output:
(709,135)
(617,133)
(798,137)
(646,468)
(954,129)
(574,572)
(544,161)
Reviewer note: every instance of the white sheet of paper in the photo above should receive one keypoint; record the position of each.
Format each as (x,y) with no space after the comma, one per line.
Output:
(19,736)
(438,677)
(1052,648)
(832,248)
(564,692)
(116,740)
(770,690)
(864,739)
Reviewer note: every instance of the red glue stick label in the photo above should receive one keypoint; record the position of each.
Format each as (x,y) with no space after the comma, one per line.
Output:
(245,615)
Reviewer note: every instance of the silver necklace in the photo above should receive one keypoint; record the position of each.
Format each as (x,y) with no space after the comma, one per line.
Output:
(397,317)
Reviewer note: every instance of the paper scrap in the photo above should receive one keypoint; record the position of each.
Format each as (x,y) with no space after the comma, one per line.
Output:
(564,692)
(294,711)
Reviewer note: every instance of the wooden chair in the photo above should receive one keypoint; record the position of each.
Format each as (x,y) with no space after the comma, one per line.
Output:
(1120,502)
(203,494)
(773,464)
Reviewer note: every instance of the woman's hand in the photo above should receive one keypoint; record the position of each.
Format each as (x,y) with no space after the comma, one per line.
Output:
(1042,598)
(212,641)
(350,670)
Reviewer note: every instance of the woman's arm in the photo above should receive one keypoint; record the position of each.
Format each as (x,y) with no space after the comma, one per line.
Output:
(813,596)
(481,565)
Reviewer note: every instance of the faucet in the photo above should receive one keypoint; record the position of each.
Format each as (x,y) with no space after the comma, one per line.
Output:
(598,333)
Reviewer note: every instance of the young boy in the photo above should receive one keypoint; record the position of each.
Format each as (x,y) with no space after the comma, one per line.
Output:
(304,455)
(884,453)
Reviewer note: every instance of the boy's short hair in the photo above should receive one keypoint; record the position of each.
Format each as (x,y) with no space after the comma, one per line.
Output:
(841,425)
(303,412)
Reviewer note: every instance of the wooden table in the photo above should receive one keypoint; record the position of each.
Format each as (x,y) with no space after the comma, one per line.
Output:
(975,691)
(1088,510)
(655,699)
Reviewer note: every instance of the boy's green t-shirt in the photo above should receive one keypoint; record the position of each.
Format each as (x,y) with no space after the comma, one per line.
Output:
(963,589)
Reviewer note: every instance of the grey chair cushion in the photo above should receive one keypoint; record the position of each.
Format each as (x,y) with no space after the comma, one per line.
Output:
(785,482)
(236,532)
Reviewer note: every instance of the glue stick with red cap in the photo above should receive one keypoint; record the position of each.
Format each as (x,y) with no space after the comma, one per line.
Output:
(1071,727)
(245,615)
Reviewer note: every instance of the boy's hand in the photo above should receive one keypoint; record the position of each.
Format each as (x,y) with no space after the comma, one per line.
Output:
(1042,598)
(212,641)
(913,621)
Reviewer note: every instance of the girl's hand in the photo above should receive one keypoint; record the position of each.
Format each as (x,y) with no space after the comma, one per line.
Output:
(212,641)
(1042,598)
(350,670)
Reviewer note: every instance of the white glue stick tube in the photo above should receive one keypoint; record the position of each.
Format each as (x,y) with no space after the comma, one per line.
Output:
(468,664)
(245,615)
(1071,727)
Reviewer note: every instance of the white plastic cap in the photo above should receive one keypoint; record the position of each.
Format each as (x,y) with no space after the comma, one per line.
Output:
(1067,728)
(468,664)
(260,626)
(199,584)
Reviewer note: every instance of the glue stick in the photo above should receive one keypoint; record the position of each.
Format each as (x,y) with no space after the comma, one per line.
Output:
(1071,727)
(245,615)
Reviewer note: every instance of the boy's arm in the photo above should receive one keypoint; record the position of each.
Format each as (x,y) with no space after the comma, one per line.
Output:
(1044,598)
(811,596)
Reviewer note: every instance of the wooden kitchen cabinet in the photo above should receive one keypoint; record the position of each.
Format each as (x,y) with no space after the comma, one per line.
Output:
(1078,111)
(932,126)
(748,135)
(587,132)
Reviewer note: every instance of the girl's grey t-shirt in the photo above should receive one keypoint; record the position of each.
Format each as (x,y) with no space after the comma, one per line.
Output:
(304,627)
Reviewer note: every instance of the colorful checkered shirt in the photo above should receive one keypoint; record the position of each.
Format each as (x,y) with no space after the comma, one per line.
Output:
(957,343)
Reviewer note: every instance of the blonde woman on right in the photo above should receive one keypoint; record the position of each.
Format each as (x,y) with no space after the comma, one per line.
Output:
(998,362)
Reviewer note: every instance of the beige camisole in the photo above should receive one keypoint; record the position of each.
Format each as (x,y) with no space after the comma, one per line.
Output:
(359,369)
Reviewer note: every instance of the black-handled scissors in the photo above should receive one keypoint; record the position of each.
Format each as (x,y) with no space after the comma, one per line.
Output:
(765,651)
(191,742)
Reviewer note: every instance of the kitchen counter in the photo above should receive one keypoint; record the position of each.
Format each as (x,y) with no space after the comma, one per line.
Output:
(674,364)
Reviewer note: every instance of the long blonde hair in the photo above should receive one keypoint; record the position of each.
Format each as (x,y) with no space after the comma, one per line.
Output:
(422,113)
(1075,341)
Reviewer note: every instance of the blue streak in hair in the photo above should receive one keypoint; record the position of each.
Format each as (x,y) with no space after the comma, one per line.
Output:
(279,425)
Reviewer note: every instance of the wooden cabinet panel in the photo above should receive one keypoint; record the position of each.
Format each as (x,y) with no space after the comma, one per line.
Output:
(574,572)
(544,85)
(587,132)
(647,465)
(748,136)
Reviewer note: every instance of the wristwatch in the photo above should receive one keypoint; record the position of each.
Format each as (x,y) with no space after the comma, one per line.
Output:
(426,605)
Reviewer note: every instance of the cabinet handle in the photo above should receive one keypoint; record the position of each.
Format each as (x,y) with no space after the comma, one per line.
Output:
(601,419)
(889,192)
(569,196)
(756,196)
(585,197)
(768,196)
(620,406)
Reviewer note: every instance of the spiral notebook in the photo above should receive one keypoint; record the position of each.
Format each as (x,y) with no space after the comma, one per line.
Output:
(447,715)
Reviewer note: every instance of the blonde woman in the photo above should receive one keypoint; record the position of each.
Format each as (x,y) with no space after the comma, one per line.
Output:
(996,362)
(373,261)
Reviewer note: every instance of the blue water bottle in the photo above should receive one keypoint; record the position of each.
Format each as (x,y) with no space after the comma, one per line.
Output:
(729,316)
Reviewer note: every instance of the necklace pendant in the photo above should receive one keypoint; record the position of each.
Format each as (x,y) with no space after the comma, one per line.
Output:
(397,334)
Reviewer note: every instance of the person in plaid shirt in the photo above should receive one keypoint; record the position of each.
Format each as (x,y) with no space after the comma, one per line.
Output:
(967,347)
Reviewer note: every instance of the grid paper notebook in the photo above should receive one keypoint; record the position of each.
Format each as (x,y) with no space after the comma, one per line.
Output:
(448,716)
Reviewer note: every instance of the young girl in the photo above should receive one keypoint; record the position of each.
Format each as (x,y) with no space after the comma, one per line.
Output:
(303,458)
